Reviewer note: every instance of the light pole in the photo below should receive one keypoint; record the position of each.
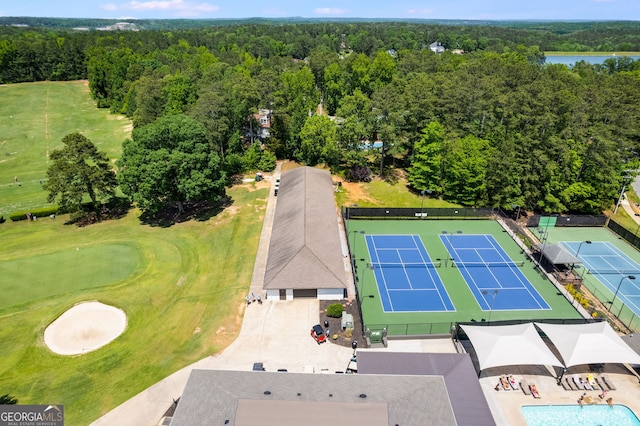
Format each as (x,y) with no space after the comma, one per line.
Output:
(545,237)
(631,277)
(424,191)
(578,252)
(624,186)
(518,214)
(493,293)
(361,289)
(353,255)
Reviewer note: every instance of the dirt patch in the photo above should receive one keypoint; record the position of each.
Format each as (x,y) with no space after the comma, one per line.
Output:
(335,324)
(288,165)
(84,328)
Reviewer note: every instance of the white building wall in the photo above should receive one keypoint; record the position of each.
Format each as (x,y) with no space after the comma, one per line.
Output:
(273,295)
(330,293)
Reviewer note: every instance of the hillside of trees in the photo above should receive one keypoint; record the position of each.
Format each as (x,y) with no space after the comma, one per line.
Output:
(495,126)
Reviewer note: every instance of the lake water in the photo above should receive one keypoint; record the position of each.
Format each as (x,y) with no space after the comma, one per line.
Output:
(572,59)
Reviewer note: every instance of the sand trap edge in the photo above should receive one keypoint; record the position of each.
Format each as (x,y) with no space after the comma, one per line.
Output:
(85,327)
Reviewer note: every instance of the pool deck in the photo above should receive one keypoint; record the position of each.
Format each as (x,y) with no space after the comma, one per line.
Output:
(505,405)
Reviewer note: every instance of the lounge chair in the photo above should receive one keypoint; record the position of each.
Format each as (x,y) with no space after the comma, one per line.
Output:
(566,384)
(512,382)
(577,381)
(505,383)
(592,381)
(608,382)
(534,391)
(571,383)
(581,383)
(525,387)
(601,384)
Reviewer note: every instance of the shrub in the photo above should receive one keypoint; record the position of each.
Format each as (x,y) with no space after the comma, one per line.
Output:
(40,212)
(335,310)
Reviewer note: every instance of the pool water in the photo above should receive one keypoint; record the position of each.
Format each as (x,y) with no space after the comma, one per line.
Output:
(574,415)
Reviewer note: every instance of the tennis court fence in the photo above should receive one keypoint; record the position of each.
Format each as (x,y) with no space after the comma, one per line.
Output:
(629,236)
(407,330)
(416,213)
(629,318)
(568,220)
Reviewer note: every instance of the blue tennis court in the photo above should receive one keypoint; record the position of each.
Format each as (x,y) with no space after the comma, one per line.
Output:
(406,277)
(610,266)
(495,280)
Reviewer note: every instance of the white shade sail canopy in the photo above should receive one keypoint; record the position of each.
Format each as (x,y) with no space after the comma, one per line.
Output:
(518,344)
(593,343)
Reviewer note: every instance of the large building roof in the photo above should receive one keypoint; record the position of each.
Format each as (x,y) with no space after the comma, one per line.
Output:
(305,250)
(217,397)
(469,405)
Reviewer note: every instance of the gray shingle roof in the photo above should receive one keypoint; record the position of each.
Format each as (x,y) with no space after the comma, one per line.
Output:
(461,382)
(212,397)
(305,250)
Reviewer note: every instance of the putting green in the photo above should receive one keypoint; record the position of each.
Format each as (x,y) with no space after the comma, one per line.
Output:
(30,278)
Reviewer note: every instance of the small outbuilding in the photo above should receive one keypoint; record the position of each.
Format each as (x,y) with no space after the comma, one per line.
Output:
(305,253)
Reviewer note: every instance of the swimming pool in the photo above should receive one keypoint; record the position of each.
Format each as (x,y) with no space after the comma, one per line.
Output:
(574,415)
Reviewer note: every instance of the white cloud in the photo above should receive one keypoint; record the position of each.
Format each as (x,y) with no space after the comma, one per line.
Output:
(329,11)
(182,7)
(421,12)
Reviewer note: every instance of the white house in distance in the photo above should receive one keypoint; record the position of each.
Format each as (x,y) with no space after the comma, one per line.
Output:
(436,47)
(305,253)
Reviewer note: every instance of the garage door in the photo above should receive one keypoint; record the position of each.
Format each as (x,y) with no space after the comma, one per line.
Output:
(308,293)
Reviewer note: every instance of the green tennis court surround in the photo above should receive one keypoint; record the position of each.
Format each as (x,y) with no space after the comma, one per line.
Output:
(467,307)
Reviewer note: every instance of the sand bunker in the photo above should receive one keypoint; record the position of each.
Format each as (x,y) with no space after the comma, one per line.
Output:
(84,328)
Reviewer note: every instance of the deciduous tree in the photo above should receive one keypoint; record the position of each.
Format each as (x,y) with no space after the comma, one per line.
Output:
(170,161)
(78,170)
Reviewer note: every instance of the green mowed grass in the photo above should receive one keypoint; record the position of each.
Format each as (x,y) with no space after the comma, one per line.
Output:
(37,276)
(181,287)
(34,117)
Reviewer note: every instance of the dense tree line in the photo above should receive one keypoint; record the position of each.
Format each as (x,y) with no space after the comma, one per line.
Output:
(60,52)
(492,127)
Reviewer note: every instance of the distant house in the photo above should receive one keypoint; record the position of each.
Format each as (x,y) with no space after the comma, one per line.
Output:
(436,47)
(263,121)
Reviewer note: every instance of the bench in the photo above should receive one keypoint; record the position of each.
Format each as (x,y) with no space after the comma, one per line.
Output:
(608,382)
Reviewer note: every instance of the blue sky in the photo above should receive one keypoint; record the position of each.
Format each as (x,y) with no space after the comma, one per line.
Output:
(450,9)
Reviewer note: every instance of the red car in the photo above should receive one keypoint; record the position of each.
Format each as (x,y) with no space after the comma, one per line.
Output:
(318,334)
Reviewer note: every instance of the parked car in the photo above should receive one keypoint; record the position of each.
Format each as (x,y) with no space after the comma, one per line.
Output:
(258,366)
(317,332)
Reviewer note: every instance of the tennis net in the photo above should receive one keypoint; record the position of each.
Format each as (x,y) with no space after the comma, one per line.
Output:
(488,264)
(423,265)
(613,272)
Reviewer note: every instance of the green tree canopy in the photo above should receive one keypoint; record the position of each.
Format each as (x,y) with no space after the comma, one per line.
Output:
(170,161)
(78,170)
(318,141)
(426,171)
